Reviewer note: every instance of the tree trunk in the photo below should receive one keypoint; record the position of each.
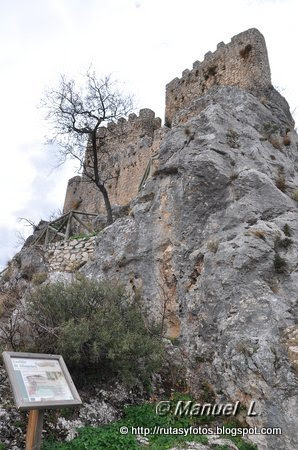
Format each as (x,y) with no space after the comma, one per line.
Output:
(107,203)
(100,186)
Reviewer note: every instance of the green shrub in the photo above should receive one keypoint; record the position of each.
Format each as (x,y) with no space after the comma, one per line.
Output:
(283,243)
(238,440)
(280,264)
(234,176)
(270,128)
(109,437)
(96,327)
(286,242)
(287,230)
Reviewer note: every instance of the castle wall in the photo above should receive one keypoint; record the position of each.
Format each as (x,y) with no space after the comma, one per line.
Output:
(243,62)
(126,148)
(73,194)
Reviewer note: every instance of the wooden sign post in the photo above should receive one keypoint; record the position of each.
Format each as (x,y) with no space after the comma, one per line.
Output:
(34,429)
(39,382)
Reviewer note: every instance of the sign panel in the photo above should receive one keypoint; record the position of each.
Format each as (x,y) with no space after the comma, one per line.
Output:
(40,381)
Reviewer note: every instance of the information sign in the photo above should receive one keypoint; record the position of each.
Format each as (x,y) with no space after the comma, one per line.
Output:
(40,381)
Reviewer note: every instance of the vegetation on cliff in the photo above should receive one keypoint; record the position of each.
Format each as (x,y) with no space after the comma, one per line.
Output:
(100,331)
(109,437)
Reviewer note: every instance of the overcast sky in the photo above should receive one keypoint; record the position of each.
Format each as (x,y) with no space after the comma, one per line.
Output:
(143,43)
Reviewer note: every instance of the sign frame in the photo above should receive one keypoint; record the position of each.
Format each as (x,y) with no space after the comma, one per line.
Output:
(22,404)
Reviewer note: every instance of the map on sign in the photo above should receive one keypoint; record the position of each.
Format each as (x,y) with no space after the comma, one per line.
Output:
(41,380)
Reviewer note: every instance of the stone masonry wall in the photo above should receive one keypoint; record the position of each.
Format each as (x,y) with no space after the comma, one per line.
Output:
(128,146)
(243,62)
(70,255)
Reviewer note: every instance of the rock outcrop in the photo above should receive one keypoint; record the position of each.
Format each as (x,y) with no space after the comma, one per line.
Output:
(211,240)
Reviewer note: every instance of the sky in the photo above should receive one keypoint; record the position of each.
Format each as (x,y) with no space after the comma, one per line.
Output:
(143,43)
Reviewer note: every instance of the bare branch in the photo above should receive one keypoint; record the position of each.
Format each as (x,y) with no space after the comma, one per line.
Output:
(27,222)
(76,113)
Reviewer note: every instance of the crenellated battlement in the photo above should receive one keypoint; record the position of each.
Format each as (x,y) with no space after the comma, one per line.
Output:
(242,62)
(126,147)
(137,125)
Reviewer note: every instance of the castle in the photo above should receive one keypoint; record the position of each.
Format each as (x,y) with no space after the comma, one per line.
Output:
(209,243)
(131,143)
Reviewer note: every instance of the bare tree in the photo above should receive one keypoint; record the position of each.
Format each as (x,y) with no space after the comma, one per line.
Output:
(76,114)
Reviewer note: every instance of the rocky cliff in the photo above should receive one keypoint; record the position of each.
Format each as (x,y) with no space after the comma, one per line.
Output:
(211,241)
(214,237)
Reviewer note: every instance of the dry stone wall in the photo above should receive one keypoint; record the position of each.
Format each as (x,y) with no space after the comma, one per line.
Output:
(243,63)
(69,256)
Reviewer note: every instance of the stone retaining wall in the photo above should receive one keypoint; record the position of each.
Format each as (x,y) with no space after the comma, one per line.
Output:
(69,256)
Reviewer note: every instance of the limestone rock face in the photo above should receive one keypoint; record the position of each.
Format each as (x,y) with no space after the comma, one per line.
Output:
(212,242)
(211,239)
